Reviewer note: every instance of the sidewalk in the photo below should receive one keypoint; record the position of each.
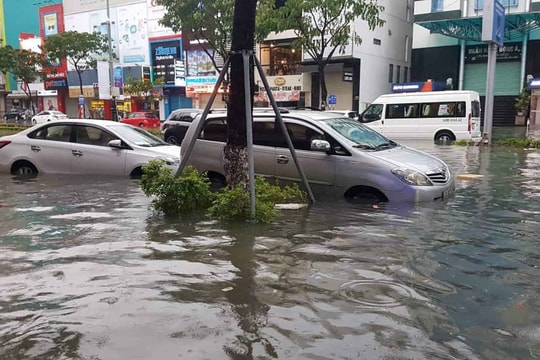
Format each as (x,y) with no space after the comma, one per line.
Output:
(533,132)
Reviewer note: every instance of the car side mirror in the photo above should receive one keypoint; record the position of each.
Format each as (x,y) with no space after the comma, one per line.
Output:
(320,145)
(116,144)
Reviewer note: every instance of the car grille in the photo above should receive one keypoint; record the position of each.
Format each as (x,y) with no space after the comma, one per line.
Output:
(439,176)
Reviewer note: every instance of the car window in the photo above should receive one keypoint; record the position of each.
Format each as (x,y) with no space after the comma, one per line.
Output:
(151,115)
(266,134)
(57,132)
(138,136)
(301,136)
(214,130)
(92,136)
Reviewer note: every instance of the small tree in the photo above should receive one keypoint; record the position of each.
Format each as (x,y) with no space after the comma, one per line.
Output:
(25,66)
(322,28)
(144,88)
(78,48)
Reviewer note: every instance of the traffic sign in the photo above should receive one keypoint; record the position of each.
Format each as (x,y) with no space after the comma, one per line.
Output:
(332,99)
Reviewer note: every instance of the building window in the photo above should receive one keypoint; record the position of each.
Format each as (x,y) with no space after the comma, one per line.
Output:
(398,73)
(391,73)
(377,41)
(479,4)
(436,5)
(406,48)
(279,58)
(405,74)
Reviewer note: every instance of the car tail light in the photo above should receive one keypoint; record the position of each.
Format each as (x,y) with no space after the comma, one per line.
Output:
(469,124)
(4,143)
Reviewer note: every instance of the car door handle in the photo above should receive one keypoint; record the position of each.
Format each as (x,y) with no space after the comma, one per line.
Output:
(77,153)
(35,148)
(282,159)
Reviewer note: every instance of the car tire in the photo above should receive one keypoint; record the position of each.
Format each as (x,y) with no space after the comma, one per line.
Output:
(444,137)
(24,169)
(171,139)
(141,125)
(363,194)
(34,122)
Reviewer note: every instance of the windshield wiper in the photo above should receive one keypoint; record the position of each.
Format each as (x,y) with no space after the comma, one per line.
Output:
(364,146)
(387,145)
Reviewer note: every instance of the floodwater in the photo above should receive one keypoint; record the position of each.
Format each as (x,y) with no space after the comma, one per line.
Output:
(88,271)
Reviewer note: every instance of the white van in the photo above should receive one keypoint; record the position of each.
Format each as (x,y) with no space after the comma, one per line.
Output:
(443,116)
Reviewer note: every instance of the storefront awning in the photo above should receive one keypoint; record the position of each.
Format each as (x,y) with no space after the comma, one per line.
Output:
(20,95)
(516,26)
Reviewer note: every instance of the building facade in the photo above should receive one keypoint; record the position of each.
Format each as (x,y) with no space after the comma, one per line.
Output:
(448,46)
(356,76)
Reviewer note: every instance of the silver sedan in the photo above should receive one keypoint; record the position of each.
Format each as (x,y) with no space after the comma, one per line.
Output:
(79,146)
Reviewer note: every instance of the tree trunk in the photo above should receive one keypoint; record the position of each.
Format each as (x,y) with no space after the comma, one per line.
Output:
(322,83)
(81,93)
(243,38)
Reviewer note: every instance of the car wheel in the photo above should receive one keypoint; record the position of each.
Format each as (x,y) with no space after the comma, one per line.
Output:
(444,137)
(363,194)
(34,122)
(141,125)
(171,139)
(217,181)
(24,169)
(136,173)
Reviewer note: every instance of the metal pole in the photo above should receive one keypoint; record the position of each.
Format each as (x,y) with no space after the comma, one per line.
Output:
(249,129)
(111,70)
(490,84)
(279,120)
(191,144)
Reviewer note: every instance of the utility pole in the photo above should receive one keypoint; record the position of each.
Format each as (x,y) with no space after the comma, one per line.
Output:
(114,112)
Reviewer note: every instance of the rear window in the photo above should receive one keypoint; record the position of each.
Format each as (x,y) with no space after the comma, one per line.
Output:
(475,106)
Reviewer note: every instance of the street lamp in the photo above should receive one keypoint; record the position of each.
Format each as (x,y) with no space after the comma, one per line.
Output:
(114,112)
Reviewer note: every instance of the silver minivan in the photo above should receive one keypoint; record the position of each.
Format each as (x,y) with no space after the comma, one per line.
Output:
(339,156)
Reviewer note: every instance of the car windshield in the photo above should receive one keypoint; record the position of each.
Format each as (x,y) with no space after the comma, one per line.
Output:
(361,135)
(138,136)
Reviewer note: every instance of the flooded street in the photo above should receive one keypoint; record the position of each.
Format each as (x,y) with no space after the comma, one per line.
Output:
(88,271)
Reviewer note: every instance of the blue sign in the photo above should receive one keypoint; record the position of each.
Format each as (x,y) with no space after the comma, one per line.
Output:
(498,23)
(81,99)
(493,22)
(332,99)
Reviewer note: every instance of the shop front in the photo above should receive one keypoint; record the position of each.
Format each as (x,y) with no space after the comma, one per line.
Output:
(287,90)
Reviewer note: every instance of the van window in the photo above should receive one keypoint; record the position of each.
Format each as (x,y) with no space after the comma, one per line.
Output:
(396,111)
(475,108)
(372,113)
(443,109)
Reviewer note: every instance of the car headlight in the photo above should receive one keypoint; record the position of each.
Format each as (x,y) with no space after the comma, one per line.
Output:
(412,177)
(172,161)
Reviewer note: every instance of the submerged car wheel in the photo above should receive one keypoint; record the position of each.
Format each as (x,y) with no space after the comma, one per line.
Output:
(24,169)
(173,140)
(364,194)
(444,137)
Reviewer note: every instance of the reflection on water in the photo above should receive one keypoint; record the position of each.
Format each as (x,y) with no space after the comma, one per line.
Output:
(88,271)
